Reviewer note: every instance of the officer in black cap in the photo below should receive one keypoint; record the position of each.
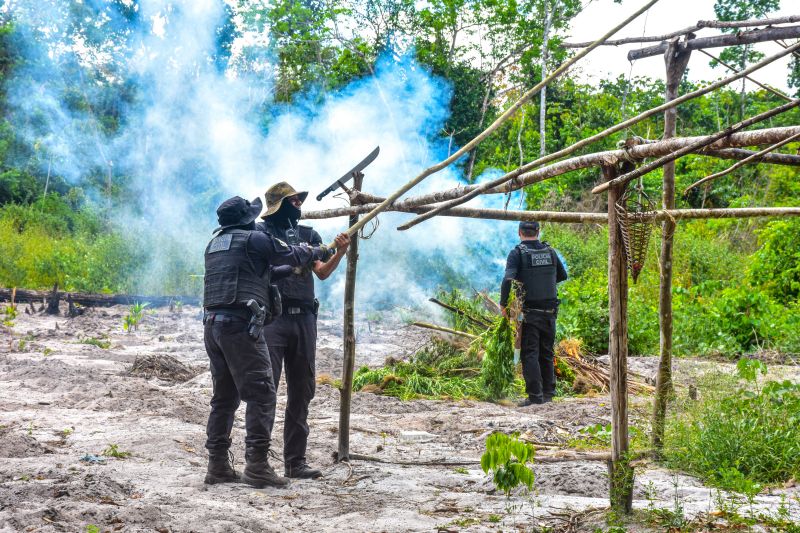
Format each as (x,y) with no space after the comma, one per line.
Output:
(537,268)
(292,337)
(237,269)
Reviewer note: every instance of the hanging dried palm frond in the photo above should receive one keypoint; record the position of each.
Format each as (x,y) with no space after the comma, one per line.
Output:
(636,215)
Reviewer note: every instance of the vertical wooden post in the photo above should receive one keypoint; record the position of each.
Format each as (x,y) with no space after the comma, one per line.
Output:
(621,473)
(676,58)
(349,338)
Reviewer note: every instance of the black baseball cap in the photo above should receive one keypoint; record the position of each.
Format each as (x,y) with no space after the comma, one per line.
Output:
(529,226)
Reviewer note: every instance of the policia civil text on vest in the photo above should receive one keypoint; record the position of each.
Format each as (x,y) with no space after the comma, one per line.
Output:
(538,269)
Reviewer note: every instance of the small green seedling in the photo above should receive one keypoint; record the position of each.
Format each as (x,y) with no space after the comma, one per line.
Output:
(507,458)
(114,451)
(134,316)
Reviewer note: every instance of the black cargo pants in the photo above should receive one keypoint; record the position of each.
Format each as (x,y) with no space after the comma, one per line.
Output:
(241,371)
(536,353)
(292,340)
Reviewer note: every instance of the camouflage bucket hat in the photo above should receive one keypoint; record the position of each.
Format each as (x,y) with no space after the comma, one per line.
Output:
(276,194)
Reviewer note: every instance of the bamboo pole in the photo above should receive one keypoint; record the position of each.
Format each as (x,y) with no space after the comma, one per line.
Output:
(494,125)
(742,162)
(348,338)
(641,171)
(621,473)
(473,192)
(691,29)
(675,59)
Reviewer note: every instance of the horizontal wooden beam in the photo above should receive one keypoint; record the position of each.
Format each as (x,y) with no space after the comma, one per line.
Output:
(638,150)
(733,39)
(698,145)
(584,218)
(691,29)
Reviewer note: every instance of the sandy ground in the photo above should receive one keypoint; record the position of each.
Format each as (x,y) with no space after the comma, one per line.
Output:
(63,402)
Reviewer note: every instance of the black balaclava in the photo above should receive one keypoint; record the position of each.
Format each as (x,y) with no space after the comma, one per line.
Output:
(287,214)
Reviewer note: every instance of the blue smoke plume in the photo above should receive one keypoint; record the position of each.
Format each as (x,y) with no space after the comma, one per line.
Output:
(188,133)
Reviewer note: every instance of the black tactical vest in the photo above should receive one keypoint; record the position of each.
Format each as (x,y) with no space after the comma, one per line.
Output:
(537,273)
(299,287)
(231,278)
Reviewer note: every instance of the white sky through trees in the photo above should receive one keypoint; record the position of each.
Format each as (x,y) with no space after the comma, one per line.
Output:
(664,17)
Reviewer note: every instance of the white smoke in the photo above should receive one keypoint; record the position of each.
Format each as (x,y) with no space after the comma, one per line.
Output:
(193,135)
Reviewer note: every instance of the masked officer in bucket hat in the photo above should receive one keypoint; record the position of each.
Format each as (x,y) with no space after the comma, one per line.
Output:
(237,269)
(292,337)
(537,267)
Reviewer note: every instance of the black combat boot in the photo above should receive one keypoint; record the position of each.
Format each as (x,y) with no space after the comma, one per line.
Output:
(301,470)
(220,468)
(258,473)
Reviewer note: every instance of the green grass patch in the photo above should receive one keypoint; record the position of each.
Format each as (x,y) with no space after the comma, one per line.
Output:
(742,433)
(103,342)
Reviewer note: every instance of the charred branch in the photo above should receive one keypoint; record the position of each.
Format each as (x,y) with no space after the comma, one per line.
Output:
(95,300)
(743,162)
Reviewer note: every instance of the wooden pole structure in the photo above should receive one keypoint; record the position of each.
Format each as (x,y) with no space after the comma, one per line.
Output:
(676,58)
(620,471)
(508,113)
(691,29)
(644,169)
(348,338)
(742,162)
(480,189)
(728,39)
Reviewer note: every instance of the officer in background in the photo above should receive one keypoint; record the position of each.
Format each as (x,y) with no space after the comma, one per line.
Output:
(237,269)
(292,337)
(537,268)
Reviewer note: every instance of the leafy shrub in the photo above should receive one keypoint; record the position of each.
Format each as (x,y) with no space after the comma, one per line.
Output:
(776,264)
(740,432)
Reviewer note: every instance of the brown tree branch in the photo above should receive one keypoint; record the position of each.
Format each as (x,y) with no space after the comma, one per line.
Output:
(733,39)
(691,29)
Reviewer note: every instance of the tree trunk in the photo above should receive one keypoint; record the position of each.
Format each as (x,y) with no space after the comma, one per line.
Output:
(348,338)
(620,470)
(676,59)
(548,20)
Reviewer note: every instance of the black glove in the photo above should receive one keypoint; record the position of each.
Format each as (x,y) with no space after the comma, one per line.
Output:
(326,252)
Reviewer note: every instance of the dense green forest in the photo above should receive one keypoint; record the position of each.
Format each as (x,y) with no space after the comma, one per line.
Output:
(737,282)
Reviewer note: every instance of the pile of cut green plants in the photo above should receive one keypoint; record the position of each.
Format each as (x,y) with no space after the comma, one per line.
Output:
(481,368)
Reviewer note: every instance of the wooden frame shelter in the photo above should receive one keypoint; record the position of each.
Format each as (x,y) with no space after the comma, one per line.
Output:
(618,167)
